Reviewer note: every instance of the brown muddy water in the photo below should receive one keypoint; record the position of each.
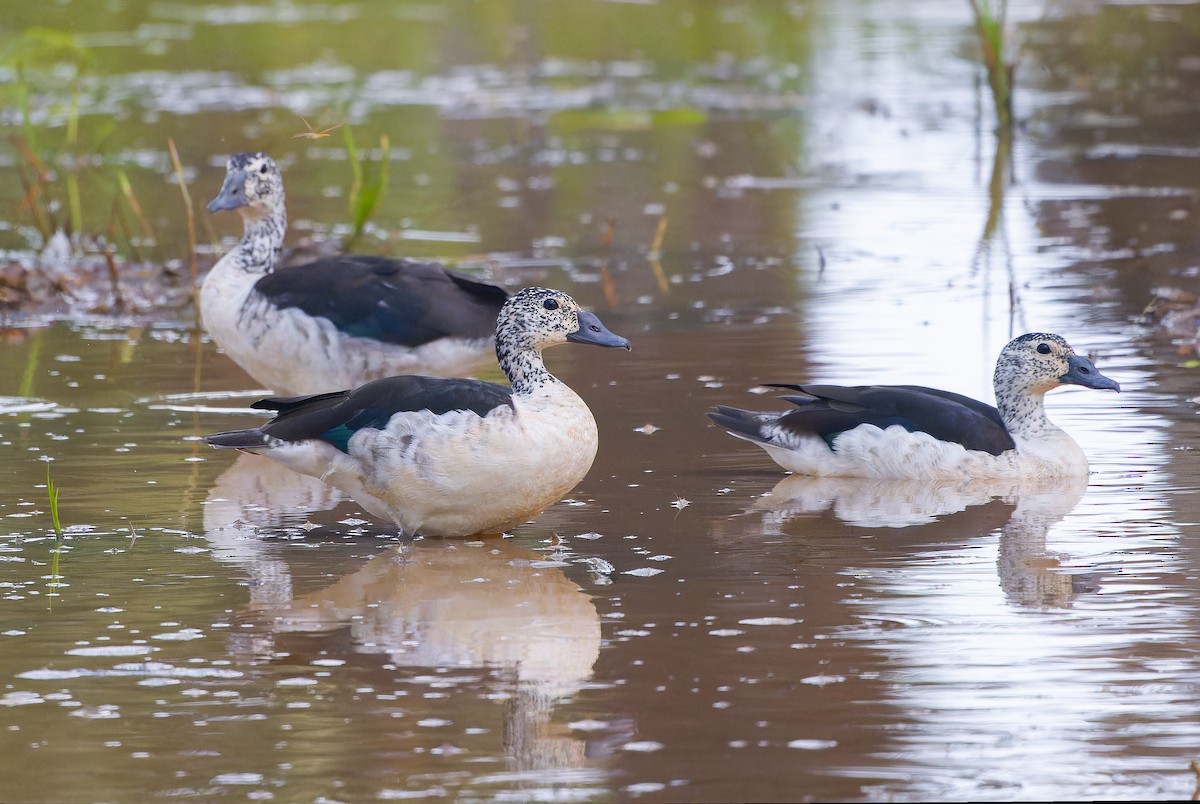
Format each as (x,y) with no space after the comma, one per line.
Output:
(691,624)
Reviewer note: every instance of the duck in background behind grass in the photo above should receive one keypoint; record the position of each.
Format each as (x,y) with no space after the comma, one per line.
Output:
(338,321)
(909,431)
(450,457)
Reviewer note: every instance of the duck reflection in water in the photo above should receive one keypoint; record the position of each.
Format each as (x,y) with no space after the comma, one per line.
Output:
(426,606)
(493,606)
(487,604)
(935,514)
(253,500)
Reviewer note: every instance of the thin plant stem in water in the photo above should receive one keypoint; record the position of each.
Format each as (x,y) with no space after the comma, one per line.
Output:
(191,215)
(989,24)
(132,200)
(606,279)
(655,255)
(54,580)
(25,389)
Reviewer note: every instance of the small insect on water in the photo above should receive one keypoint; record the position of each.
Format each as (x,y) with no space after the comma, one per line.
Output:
(313,134)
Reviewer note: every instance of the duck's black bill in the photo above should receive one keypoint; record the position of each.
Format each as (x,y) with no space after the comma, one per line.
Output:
(592,331)
(232,193)
(1083,372)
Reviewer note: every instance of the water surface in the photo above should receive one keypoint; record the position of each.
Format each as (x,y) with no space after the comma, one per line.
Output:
(691,624)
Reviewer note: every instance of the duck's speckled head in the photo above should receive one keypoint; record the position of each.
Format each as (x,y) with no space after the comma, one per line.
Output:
(536,318)
(1038,362)
(252,180)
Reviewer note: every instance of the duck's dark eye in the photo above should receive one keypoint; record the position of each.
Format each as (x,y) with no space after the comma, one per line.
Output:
(550,304)
(1043,349)
(263,169)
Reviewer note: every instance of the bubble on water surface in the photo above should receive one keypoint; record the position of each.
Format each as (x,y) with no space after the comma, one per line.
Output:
(644,787)
(101,712)
(112,650)
(158,681)
(130,669)
(589,725)
(296,681)
(769,621)
(643,572)
(21,698)
(812,745)
(597,564)
(20,404)
(238,778)
(643,746)
(434,722)
(821,681)
(393,795)
(181,635)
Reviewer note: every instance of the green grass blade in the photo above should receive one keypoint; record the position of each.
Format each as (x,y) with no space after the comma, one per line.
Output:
(371,192)
(55,578)
(52,491)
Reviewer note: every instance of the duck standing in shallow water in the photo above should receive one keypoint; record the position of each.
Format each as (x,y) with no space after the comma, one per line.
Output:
(908,431)
(339,321)
(450,457)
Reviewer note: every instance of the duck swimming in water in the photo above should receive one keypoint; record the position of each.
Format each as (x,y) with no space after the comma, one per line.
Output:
(909,431)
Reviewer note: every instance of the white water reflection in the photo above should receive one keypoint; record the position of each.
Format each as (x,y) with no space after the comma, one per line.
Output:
(877,503)
(1030,573)
(443,608)
(434,610)
(487,604)
(256,498)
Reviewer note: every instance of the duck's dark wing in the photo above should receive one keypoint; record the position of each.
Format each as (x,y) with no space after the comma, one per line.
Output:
(404,302)
(827,410)
(335,417)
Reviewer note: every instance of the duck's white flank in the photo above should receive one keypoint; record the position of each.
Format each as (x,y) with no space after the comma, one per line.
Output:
(868,451)
(262,339)
(459,473)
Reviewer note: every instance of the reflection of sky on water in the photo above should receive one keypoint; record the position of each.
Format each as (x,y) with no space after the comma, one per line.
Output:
(1008,643)
(908,293)
(998,681)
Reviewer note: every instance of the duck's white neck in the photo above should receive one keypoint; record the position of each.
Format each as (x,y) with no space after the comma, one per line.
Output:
(262,239)
(1024,412)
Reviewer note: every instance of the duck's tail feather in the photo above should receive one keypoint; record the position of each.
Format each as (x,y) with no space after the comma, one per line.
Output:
(238,439)
(741,423)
